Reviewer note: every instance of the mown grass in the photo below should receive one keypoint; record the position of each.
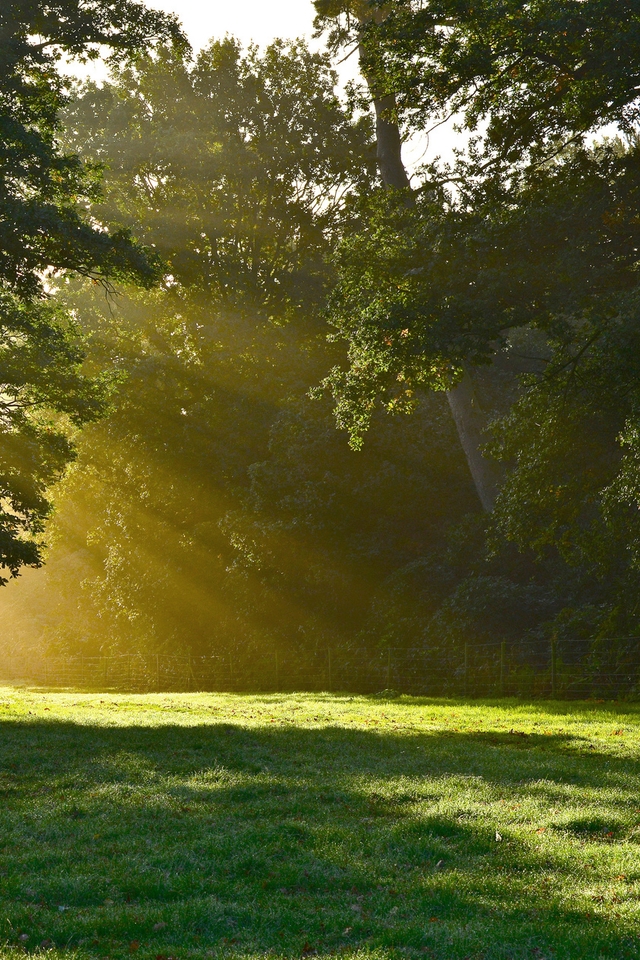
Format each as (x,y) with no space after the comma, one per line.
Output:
(204,825)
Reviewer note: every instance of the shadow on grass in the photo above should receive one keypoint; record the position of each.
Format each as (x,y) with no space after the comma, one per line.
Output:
(172,840)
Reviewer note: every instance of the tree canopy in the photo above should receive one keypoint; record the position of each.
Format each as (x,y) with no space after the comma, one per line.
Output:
(215,500)
(517,261)
(45,235)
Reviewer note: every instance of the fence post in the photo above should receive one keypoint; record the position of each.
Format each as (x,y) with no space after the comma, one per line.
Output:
(502,649)
(389,669)
(466,669)
(553,666)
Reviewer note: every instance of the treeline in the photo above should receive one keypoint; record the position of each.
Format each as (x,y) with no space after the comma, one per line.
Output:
(295,274)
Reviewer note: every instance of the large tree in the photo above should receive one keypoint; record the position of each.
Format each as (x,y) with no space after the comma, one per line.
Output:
(46,235)
(238,167)
(530,82)
(358,23)
(527,76)
(517,257)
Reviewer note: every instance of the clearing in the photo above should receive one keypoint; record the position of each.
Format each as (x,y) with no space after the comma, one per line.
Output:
(203,825)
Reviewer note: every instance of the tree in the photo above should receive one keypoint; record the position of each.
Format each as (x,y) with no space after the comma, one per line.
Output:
(261,197)
(541,75)
(216,506)
(517,261)
(368,17)
(446,299)
(46,235)
(530,77)
(239,168)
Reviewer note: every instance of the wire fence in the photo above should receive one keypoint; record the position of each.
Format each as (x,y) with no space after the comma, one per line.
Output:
(568,669)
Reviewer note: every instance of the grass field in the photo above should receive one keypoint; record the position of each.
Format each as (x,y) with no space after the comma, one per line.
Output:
(201,825)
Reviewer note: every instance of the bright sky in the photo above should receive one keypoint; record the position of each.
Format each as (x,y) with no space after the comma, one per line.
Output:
(258,20)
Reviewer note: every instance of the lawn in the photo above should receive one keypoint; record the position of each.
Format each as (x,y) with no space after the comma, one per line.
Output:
(203,825)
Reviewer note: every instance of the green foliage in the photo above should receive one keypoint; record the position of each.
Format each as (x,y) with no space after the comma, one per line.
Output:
(530,76)
(216,505)
(43,188)
(321,528)
(525,265)
(237,168)
(570,491)
(45,234)
(421,291)
(44,397)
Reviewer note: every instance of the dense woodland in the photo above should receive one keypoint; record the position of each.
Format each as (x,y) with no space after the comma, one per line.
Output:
(262,387)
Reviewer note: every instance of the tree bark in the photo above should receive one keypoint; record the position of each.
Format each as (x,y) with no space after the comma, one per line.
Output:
(389,145)
(470,423)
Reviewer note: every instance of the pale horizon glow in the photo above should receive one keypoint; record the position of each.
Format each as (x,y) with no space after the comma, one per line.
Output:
(251,21)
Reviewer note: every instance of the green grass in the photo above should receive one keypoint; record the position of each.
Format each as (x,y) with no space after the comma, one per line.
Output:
(200,825)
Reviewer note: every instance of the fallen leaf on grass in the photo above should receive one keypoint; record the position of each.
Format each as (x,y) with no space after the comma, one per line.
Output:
(498,836)
(133,946)
(541,829)
(159,926)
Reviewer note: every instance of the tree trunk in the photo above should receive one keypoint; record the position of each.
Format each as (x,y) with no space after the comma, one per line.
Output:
(470,423)
(389,145)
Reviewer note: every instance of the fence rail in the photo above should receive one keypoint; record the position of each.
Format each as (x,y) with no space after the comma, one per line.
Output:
(607,669)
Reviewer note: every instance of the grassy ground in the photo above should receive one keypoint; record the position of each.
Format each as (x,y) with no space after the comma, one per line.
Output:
(198,825)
